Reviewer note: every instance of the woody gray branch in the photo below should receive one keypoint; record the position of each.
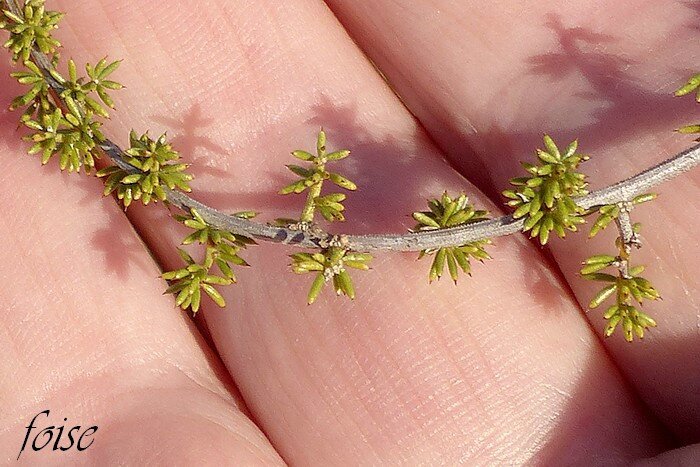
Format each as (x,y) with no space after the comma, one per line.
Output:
(620,192)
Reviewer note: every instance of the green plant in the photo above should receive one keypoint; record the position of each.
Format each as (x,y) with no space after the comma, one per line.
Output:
(693,85)
(222,250)
(547,197)
(312,177)
(31,27)
(627,285)
(330,263)
(189,281)
(154,161)
(445,213)
(65,117)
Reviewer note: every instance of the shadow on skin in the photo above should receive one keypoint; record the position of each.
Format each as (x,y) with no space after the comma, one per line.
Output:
(120,252)
(625,108)
(193,147)
(694,5)
(541,279)
(389,189)
(619,106)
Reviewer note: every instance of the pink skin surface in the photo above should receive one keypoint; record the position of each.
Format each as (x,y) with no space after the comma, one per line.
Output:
(505,368)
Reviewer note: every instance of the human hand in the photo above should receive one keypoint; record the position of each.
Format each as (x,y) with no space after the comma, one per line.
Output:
(504,368)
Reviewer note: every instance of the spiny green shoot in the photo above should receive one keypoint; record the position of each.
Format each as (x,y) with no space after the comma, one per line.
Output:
(73,136)
(330,265)
(69,129)
(37,95)
(72,133)
(609,212)
(78,89)
(204,234)
(188,282)
(222,251)
(446,212)
(692,85)
(312,177)
(157,166)
(634,322)
(627,284)
(546,197)
(33,28)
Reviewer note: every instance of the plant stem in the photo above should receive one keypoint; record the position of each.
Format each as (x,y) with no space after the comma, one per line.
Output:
(628,238)
(455,236)
(307,215)
(620,192)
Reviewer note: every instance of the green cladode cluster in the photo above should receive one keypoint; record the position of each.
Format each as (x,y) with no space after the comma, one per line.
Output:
(65,115)
(221,251)
(546,197)
(154,164)
(66,124)
(627,285)
(446,212)
(693,85)
(331,263)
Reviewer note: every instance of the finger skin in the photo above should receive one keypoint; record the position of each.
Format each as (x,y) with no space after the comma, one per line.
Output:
(86,333)
(502,367)
(683,457)
(603,72)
